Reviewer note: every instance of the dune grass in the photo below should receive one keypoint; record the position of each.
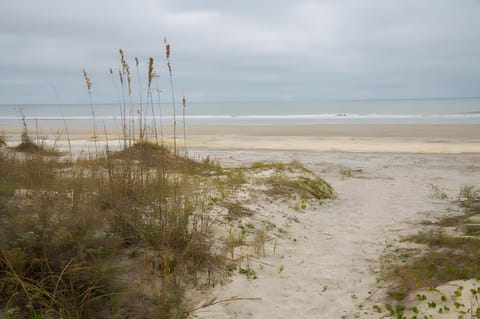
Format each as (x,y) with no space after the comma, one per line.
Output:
(451,253)
(305,187)
(66,224)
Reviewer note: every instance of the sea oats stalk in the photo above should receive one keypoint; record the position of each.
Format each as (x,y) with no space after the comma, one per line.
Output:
(126,75)
(184,106)
(151,75)
(160,112)
(119,99)
(170,72)
(122,109)
(64,122)
(140,110)
(36,131)
(88,83)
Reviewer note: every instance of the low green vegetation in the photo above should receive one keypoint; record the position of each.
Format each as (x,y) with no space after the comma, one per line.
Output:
(292,180)
(280,167)
(451,253)
(305,187)
(448,258)
(345,172)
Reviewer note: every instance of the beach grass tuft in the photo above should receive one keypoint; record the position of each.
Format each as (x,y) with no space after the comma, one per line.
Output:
(447,256)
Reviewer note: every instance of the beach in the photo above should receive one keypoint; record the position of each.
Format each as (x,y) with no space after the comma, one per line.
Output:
(327,262)
(244,160)
(401,138)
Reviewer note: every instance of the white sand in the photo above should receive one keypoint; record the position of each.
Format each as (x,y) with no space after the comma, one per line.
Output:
(331,269)
(343,138)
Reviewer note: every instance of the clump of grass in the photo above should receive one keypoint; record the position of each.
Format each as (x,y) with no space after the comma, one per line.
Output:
(27,145)
(259,242)
(236,210)
(469,195)
(3,140)
(152,155)
(346,172)
(456,220)
(305,187)
(292,166)
(264,165)
(447,258)
(437,193)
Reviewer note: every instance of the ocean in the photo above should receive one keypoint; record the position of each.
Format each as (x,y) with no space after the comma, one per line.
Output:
(404,111)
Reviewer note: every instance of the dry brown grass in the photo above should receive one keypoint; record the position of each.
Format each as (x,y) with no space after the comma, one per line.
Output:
(65,224)
(305,187)
(236,210)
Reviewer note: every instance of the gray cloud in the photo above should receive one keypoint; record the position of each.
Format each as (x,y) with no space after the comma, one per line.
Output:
(244,50)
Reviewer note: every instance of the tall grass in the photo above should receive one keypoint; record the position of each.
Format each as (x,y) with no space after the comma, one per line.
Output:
(66,225)
(71,227)
(172,89)
(151,75)
(88,83)
(184,106)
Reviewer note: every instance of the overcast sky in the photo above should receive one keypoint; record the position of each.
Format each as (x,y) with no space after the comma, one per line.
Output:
(226,50)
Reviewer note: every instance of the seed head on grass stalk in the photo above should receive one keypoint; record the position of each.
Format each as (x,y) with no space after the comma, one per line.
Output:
(151,75)
(140,110)
(170,72)
(126,75)
(119,99)
(88,82)
(126,71)
(122,109)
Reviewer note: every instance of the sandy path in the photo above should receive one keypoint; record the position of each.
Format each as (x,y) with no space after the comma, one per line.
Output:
(328,272)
